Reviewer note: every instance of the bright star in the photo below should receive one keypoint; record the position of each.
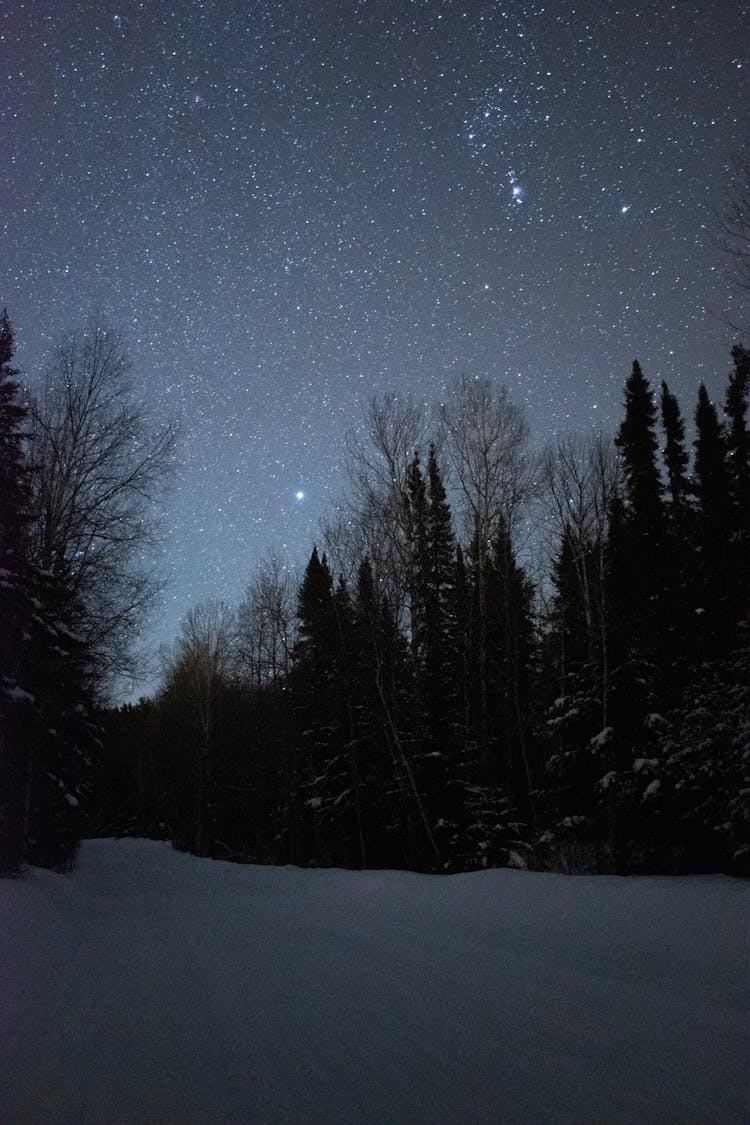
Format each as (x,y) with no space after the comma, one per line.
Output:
(625,208)
(299,495)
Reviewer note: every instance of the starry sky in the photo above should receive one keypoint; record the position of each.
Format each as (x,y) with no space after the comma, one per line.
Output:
(290,206)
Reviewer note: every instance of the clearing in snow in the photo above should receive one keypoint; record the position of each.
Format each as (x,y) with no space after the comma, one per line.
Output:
(153,987)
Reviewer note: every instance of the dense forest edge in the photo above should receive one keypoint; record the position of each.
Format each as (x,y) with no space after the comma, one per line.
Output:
(493,657)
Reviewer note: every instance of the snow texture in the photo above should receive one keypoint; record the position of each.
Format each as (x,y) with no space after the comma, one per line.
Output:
(153,987)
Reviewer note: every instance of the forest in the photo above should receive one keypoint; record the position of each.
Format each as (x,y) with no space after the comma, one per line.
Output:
(494,656)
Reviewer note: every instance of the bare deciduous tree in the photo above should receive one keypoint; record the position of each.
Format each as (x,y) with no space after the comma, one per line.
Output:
(266,622)
(485,435)
(376,517)
(202,660)
(98,468)
(734,224)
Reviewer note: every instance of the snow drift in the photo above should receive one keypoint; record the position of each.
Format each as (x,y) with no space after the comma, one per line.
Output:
(153,987)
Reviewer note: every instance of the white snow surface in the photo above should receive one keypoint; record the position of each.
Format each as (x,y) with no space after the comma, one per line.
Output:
(153,987)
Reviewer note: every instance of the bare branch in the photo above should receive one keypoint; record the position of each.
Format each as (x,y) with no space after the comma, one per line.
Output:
(98,468)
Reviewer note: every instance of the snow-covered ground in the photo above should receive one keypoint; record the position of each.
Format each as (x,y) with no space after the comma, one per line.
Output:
(152,987)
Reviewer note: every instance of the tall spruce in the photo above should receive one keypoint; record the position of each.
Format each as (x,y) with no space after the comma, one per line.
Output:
(636,439)
(313,685)
(433,643)
(16,701)
(678,550)
(715,527)
(440,655)
(641,565)
(676,457)
(738,450)
(509,603)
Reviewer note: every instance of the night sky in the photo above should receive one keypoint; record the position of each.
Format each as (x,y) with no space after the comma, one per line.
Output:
(288,207)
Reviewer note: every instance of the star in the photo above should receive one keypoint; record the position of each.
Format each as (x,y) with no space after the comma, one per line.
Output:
(306,212)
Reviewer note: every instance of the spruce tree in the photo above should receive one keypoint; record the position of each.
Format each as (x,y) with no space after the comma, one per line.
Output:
(712,480)
(738,467)
(17,704)
(391,828)
(571,717)
(636,549)
(678,551)
(313,685)
(636,439)
(433,645)
(738,434)
(440,623)
(676,458)
(715,527)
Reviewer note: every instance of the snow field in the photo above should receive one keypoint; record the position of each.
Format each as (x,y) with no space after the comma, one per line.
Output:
(154,988)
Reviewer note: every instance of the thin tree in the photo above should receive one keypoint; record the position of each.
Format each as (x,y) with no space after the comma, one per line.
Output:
(201,663)
(266,623)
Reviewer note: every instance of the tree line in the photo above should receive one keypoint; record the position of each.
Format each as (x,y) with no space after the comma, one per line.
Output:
(431,697)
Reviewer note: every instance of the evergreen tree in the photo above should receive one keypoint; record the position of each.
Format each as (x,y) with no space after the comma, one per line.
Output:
(66,733)
(738,467)
(637,442)
(704,771)
(637,562)
(14,492)
(440,620)
(16,701)
(676,458)
(572,715)
(433,643)
(711,471)
(463,694)
(738,435)
(715,528)
(678,552)
(47,732)
(317,717)
(392,831)
(510,635)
